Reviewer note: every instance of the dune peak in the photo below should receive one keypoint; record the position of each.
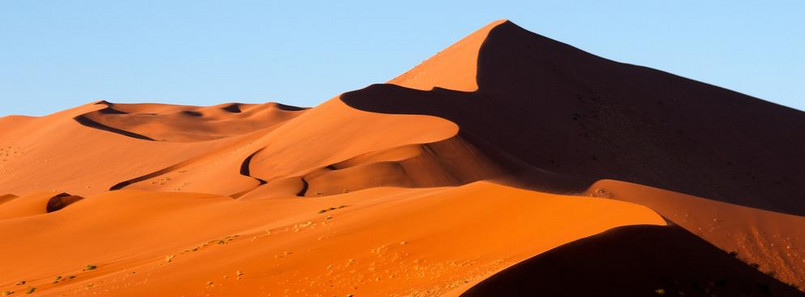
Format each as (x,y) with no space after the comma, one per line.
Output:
(453,68)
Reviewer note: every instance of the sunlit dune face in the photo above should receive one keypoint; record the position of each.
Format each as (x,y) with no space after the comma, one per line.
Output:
(454,68)
(381,241)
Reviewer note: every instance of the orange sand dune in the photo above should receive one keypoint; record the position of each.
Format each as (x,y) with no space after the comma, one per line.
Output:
(566,111)
(379,242)
(633,261)
(289,151)
(34,204)
(773,241)
(505,148)
(188,123)
(57,153)
(113,143)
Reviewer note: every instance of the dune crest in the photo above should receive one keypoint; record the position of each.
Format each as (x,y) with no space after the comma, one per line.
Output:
(161,122)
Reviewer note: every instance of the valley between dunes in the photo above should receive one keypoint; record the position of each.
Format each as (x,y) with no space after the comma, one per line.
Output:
(508,164)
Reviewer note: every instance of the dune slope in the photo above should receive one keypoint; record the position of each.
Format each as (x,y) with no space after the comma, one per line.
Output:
(769,240)
(384,241)
(633,261)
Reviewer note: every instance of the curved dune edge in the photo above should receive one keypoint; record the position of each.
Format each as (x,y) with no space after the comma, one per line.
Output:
(633,261)
(379,242)
(773,241)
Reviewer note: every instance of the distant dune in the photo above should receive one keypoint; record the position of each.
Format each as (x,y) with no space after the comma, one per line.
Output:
(508,164)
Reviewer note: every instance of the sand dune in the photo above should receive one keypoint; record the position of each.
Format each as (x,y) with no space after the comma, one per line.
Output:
(34,204)
(381,241)
(186,123)
(566,111)
(505,148)
(633,261)
(454,68)
(57,153)
(772,241)
(288,150)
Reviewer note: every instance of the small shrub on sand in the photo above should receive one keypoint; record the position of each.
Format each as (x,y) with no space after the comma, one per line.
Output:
(90,267)
(30,290)
(7,293)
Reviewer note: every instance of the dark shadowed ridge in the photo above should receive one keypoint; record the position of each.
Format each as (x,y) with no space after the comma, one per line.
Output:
(633,261)
(290,107)
(244,168)
(61,201)
(83,120)
(233,108)
(305,185)
(128,182)
(562,110)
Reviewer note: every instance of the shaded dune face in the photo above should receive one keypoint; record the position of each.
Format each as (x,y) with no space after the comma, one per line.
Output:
(7,197)
(562,110)
(633,261)
(770,241)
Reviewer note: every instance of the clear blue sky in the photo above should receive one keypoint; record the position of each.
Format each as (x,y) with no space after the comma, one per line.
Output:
(58,54)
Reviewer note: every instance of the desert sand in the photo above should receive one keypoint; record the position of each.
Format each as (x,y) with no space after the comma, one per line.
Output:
(508,164)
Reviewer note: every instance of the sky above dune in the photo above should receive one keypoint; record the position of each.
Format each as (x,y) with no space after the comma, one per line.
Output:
(59,54)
